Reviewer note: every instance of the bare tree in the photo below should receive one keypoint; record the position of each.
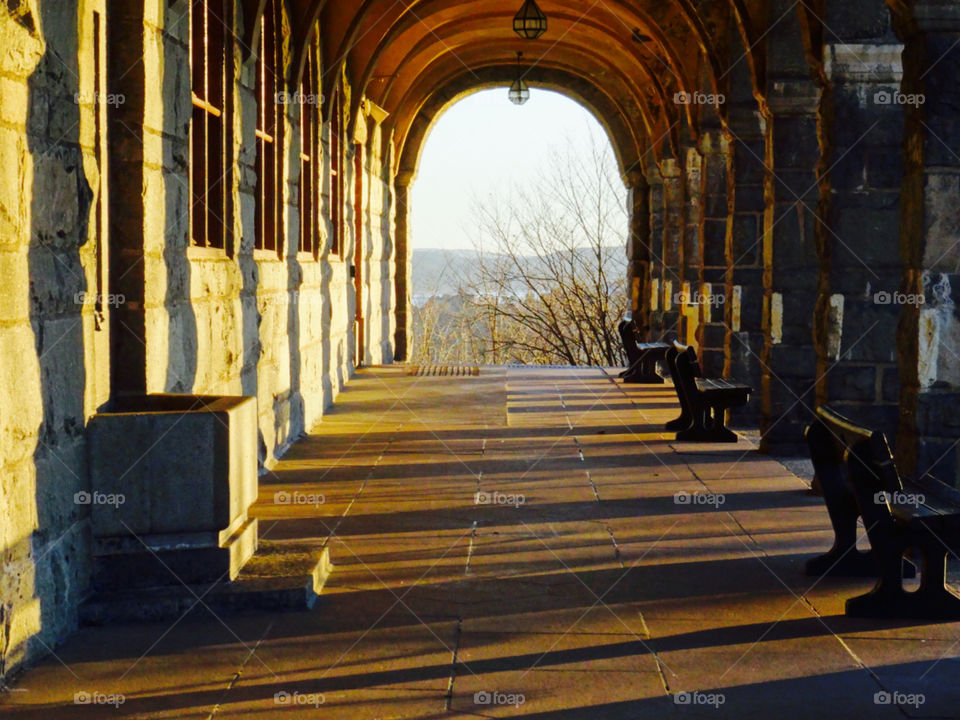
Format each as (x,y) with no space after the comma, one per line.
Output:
(547,284)
(551,277)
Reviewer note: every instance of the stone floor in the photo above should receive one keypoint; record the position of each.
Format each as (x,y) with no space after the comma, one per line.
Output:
(523,543)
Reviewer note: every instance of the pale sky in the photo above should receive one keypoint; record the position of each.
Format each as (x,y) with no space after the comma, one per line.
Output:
(481,145)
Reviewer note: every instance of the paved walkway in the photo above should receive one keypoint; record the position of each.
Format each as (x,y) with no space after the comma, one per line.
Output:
(517,544)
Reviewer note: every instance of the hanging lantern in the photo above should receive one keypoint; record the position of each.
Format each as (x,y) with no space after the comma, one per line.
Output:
(530,22)
(519,91)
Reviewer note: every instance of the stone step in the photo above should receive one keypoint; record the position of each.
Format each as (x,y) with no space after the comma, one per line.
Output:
(281,576)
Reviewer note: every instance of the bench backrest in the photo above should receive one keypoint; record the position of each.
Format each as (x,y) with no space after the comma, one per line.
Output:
(684,369)
(852,456)
(628,337)
(686,363)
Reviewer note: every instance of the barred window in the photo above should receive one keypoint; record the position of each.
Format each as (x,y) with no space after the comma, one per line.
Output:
(310,155)
(268,132)
(208,31)
(337,148)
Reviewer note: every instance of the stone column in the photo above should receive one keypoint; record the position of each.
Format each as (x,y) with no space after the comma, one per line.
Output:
(743,312)
(859,303)
(928,337)
(714,179)
(403,332)
(791,262)
(126,77)
(657,270)
(672,252)
(639,251)
(689,291)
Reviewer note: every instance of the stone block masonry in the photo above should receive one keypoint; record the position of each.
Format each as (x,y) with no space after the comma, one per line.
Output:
(168,227)
(104,293)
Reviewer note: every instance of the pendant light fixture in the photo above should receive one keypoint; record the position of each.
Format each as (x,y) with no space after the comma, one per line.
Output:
(530,22)
(519,91)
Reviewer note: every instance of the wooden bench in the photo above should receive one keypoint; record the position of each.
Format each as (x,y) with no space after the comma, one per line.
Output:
(921,518)
(642,358)
(629,339)
(703,401)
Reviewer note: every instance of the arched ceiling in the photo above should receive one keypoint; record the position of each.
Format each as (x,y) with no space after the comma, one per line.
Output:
(623,59)
(623,137)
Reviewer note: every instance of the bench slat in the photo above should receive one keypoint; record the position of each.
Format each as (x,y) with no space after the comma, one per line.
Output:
(707,384)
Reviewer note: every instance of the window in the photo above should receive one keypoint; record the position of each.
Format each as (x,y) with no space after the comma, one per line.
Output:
(268,132)
(310,156)
(336,173)
(207,148)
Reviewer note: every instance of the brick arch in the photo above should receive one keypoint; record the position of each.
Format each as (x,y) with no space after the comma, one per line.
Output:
(631,154)
(638,111)
(388,50)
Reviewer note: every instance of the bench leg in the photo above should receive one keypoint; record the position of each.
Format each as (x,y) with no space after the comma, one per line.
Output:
(642,372)
(708,426)
(685,419)
(888,599)
(631,368)
(694,429)
(933,598)
(843,559)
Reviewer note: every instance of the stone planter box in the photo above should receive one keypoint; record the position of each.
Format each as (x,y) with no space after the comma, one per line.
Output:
(172,479)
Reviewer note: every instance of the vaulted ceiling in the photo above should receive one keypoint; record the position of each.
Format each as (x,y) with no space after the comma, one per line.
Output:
(623,59)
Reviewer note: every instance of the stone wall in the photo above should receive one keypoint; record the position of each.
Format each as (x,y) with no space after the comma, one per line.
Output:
(53,344)
(234,321)
(835,239)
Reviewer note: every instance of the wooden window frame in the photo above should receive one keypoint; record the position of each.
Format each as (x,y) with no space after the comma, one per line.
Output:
(209,169)
(337,148)
(269,132)
(310,124)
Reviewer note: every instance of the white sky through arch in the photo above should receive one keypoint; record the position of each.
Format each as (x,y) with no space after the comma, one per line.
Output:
(482,145)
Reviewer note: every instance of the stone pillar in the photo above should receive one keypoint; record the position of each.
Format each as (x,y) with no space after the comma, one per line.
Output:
(126,77)
(859,303)
(403,332)
(714,179)
(639,251)
(672,252)
(689,292)
(928,337)
(743,312)
(791,262)
(657,270)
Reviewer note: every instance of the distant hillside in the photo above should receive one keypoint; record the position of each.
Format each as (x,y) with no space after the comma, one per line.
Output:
(440,272)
